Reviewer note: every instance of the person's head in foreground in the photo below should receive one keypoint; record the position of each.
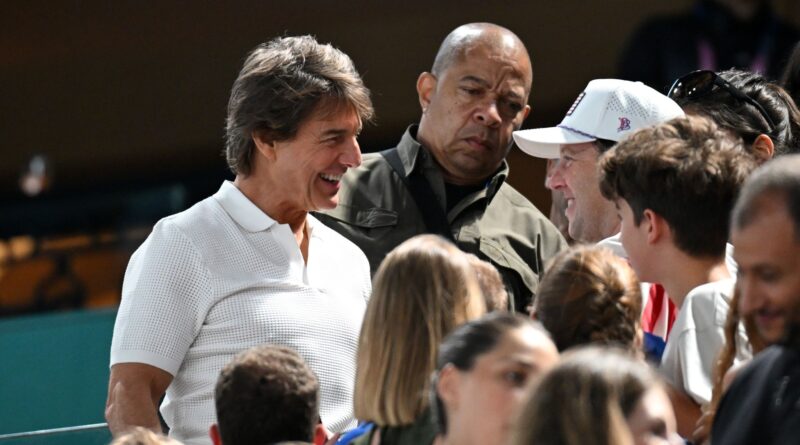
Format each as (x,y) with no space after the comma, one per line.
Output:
(294,113)
(484,372)
(766,239)
(590,295)
(423,290)
(674,185)
(475,95)
(597,396)
(144,436)
(266,394)
(491,283)
(747,104)
(606,112)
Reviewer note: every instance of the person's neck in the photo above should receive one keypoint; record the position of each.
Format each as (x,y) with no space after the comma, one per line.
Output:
(684,273)
(258,192)
(611,228)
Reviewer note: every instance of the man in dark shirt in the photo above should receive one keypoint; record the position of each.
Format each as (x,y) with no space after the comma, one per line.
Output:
(448,174)
(763,403)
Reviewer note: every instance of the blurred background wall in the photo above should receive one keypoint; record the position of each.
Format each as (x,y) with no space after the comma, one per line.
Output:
(121,104)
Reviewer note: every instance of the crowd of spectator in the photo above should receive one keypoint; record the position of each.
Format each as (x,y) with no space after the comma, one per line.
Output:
(412,296)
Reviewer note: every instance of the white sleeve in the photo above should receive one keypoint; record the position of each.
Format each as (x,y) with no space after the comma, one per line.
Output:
(366,277)
(689,364)
(166,287)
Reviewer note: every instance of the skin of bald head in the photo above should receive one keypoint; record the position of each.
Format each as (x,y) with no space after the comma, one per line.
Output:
(462,38)
(473,98)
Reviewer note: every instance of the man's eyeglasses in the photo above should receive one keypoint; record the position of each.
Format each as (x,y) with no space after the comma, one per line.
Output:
(700,83)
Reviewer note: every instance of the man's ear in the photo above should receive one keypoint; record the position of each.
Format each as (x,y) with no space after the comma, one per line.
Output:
(447,386)
(763,148)
(214,433)
(657,227)
(265,143)
(426,87)
(525,114)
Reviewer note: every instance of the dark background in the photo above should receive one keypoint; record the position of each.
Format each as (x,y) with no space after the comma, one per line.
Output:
(127,101)
(126,94)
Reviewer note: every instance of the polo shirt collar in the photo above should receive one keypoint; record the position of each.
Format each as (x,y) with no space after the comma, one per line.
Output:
(241,209)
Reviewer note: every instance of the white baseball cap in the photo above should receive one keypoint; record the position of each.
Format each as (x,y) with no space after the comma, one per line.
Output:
(607,109)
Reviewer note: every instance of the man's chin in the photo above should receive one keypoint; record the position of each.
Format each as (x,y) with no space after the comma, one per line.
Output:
(327,204)
(771,334)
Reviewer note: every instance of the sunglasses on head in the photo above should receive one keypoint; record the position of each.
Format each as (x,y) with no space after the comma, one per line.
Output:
(700,83)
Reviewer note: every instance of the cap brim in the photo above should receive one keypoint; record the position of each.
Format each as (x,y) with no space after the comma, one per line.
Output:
(545,142)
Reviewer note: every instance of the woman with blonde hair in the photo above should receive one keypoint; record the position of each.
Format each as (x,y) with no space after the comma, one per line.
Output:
(422,290)
(598,396)
(590,295)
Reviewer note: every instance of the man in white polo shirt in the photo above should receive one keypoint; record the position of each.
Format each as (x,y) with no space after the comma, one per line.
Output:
(249,265)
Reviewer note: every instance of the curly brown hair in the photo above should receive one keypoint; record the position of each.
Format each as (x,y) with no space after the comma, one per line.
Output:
(590,295)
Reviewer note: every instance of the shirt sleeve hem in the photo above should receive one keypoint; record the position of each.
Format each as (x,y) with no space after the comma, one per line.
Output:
(146,357)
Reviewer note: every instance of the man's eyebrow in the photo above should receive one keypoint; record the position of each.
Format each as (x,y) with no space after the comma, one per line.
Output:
(337,132)
(513,94)
(478,80)
(484,84)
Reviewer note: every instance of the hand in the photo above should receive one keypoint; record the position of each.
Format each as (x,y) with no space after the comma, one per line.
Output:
(702,430)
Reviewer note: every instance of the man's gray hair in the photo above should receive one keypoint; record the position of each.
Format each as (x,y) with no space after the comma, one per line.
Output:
(281,84)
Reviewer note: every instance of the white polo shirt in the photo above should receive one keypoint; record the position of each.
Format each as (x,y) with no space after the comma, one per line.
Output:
(223,276)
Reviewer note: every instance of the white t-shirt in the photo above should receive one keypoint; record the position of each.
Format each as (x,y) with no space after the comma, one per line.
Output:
(223,276)
(697,338)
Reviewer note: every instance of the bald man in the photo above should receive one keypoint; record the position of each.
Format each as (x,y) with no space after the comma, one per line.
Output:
(448,173)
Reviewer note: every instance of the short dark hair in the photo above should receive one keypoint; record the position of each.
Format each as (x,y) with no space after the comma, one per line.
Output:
(462,347)
(778,179)
(603,145)
(281,84)
(688,171)
(743,118)
(266,394)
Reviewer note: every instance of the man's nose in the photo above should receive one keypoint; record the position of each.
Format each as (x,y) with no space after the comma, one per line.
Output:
(749,299)
(488,114)
(351,154)
(554,179)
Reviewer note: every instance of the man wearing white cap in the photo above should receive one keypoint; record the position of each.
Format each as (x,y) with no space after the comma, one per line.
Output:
(606,112)
(603,114)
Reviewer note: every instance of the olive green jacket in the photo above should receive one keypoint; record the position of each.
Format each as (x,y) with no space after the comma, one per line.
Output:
(377,212)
